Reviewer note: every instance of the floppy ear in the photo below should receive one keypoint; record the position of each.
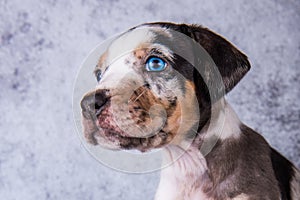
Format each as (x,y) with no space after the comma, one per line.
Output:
(231,63)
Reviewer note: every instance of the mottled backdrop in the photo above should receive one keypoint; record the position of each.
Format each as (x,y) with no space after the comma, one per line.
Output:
(43,44)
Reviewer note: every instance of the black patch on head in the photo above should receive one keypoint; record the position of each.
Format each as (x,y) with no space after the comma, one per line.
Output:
(284,173)
(183,67)
(232,64)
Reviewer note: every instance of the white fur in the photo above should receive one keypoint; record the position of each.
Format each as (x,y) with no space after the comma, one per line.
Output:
(180,180)
(118,52)
(128,42)
(241,197)
(231,125)
(224,122)
(116,73)
(137,39)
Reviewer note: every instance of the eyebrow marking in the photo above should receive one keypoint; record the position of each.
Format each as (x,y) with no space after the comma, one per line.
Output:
(140,53)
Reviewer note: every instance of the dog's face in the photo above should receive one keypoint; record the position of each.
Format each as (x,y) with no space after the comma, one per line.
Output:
(147,95)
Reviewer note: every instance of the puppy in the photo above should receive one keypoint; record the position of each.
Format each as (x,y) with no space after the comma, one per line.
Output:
(158,89)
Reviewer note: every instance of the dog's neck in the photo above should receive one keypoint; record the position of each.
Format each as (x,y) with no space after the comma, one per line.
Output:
(183,178)
(188,176)
(223,124)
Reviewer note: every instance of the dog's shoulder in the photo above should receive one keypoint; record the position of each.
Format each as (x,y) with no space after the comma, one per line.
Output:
(259,170)
(286,174)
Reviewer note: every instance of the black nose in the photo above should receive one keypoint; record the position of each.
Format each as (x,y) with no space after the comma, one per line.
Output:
(94,101)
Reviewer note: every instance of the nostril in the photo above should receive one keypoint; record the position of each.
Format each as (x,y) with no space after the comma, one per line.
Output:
(98,104)
(93,102)
(100,99)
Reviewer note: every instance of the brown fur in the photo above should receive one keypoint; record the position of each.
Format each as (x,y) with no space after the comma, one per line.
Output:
(140,53)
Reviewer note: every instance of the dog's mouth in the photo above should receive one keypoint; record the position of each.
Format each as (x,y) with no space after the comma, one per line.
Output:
(101,124)
(102,129)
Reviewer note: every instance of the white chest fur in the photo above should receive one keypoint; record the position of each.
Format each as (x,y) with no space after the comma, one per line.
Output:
(182,180)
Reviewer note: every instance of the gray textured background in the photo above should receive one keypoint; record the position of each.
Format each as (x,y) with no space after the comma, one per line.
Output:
(43,44)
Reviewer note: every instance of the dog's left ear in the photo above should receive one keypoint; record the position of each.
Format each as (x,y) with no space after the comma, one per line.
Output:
(231,63)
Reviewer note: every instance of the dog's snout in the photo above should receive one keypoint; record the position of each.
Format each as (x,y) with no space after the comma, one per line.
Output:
(93,102)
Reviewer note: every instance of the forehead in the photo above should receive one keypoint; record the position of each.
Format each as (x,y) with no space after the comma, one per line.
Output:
(135,39)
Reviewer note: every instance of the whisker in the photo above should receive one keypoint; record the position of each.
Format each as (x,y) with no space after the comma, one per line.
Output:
(194,130)
(139,96)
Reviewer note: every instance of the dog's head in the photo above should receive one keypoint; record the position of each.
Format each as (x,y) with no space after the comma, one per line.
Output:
(149,92)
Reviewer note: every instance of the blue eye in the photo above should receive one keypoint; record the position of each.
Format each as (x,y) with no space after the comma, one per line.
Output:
(155,64)
(98,75)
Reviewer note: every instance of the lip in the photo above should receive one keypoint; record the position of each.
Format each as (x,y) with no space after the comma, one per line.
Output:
(111,135)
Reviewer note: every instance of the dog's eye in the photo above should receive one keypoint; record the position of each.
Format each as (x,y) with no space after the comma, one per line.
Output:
(98,75)
(155,64)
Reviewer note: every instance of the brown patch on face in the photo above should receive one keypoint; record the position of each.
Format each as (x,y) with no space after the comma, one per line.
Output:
(186,114)
(142,50)
(190,85)
(141,102)
(140,53)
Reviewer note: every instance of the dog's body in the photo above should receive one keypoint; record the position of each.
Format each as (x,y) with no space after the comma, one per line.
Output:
(225,158)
